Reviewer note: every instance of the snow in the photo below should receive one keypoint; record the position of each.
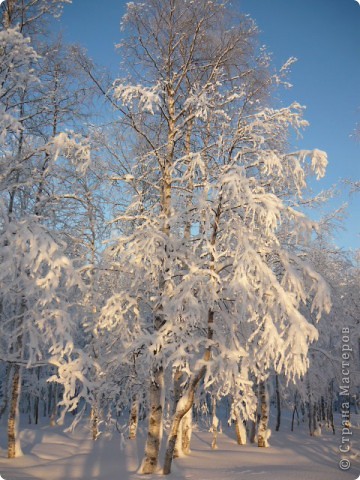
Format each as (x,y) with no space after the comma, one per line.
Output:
(49,453)
(209,258)
(148,98)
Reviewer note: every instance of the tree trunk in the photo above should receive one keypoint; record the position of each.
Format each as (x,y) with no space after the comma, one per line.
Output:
(37,400)
(315,422)
(134,418)
(94,418)
(178,376)
(178,450)
(186,431)
(356,404)
(187,401)
(316,425)
(278,404)
(263,431)
(183,406)
(45,405)
(29,410)
(252,431)
(50,388)
(152,446)
(331,414)
(295,410)
(323,409)
(311,418)
(215,424)
(240,430)
(293,418)
(303,411)
(331,406)
(14,449)
(54,405)
(5,390)
(183,439)
(252,425)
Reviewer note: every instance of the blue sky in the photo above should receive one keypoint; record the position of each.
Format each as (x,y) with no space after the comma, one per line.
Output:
(324,35)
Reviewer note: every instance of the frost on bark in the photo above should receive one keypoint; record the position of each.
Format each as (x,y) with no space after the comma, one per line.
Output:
(263,431)
(152,446)
(14,449)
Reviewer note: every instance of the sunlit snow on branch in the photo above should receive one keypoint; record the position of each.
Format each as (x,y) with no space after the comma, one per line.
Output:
(147,99)
(74,147)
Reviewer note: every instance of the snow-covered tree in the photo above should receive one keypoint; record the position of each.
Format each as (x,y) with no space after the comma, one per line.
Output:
(212,285)
(335,355)
(37,277)
(30,16)
(36,284)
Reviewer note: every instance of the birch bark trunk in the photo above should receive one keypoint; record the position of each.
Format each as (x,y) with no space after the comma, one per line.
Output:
(214,426)
(94,417)
(183,406)
(14,449)
(134,418)
(240,430)
(178,451)
(152,446)
(186,402)
(186,431)
(263,431)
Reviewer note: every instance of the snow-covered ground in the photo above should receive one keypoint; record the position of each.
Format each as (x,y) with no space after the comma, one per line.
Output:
(51,454)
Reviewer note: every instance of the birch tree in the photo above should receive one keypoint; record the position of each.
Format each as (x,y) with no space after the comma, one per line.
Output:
(31,16)
(204,249)
(168,95)
(35,321)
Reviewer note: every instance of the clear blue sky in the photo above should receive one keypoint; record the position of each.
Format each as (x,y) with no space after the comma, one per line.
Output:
(324,35)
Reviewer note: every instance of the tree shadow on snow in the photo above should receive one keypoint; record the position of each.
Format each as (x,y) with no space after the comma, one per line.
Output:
(106,460)
(321,452)
(30,438)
